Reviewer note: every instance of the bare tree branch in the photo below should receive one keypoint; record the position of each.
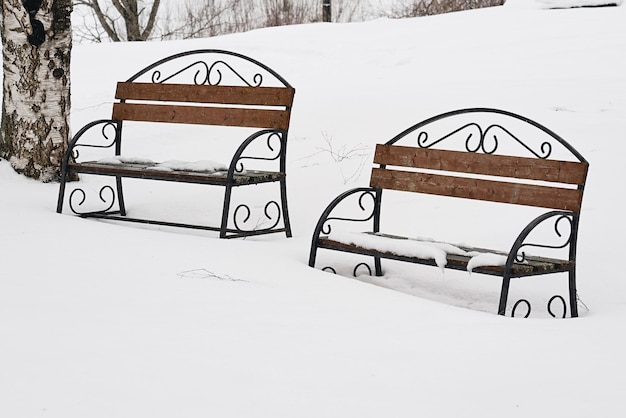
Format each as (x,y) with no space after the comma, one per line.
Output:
(138,20)
(136,26)
(152,20)
(104,22)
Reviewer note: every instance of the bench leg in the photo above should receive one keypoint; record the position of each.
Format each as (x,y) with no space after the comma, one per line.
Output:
(504,295)
(61,193)
(313,253)
(378,267)
(283,208)
(225,211)
(283,198)
(120,196)
(62,187)
(573,303)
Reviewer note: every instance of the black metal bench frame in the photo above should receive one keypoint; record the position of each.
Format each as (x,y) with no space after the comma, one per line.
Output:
(257,98)
(482,141)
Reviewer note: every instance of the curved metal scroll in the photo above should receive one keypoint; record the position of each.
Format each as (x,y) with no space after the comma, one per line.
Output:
(211,75)
(248,213)
(485,139)
(83,198)
(356,268)
(520,256)
(209,68)
(550,306)
(484,142)
(275,152)
(326,228)
(519,302)
(354,271)
(563,303)
(110,132)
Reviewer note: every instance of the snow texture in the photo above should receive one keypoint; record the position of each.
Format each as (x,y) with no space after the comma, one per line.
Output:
(201,166)
(429,250)
(559,4)
(124,160)
(101,319)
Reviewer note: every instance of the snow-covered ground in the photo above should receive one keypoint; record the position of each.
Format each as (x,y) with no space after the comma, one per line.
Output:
(108,320)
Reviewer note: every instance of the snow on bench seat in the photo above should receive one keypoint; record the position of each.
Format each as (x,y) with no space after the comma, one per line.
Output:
(442,255)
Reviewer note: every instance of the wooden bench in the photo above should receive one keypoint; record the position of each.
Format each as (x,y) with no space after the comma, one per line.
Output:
(477,173)
(202,87)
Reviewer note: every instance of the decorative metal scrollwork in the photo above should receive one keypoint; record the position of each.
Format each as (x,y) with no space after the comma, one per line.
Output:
(545,148)
(81,192)
(484,142)
(550,306)
(248,213)
(109,141)
(521,255)
(564,304)
(327,228)
(205,74)
(521,301)
(422,137)
(274,152)
(354,272)
(369,269)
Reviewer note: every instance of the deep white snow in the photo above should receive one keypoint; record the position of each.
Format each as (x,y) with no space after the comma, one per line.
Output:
(104,320)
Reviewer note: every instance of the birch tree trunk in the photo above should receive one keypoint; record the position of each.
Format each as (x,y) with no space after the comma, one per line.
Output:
(36,46)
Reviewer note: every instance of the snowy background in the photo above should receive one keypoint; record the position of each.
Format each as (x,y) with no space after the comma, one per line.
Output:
(108,320)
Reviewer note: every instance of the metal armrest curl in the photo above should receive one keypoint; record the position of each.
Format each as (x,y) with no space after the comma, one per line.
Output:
(517,255)
(323,224)
(276,142)
(72,152)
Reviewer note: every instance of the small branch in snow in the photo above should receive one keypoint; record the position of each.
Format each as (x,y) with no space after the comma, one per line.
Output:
(207,274)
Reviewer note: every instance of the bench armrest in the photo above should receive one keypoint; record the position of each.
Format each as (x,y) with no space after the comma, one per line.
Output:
(367,214)
(564,236)
(274,149)
(110,137)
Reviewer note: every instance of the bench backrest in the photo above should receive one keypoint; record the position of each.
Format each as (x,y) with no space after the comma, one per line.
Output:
(538,182)
(206,87)
(267,107)
(458,164)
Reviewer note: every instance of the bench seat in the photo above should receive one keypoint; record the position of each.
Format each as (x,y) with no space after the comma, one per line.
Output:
(149,171)
(531,266)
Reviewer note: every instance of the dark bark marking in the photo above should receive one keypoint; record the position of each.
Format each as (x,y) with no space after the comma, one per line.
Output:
(38,36)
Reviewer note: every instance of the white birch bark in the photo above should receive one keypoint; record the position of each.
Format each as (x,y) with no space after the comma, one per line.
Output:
(36,90)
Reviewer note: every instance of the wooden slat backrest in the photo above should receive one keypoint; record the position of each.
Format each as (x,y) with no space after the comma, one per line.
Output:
(236,95)
(567,172)
(458,165)
(265,107)
(223,116)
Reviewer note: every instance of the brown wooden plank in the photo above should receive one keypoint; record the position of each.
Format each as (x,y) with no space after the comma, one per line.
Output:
(252,118)
(478,189)
(567,172)
(261,96)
